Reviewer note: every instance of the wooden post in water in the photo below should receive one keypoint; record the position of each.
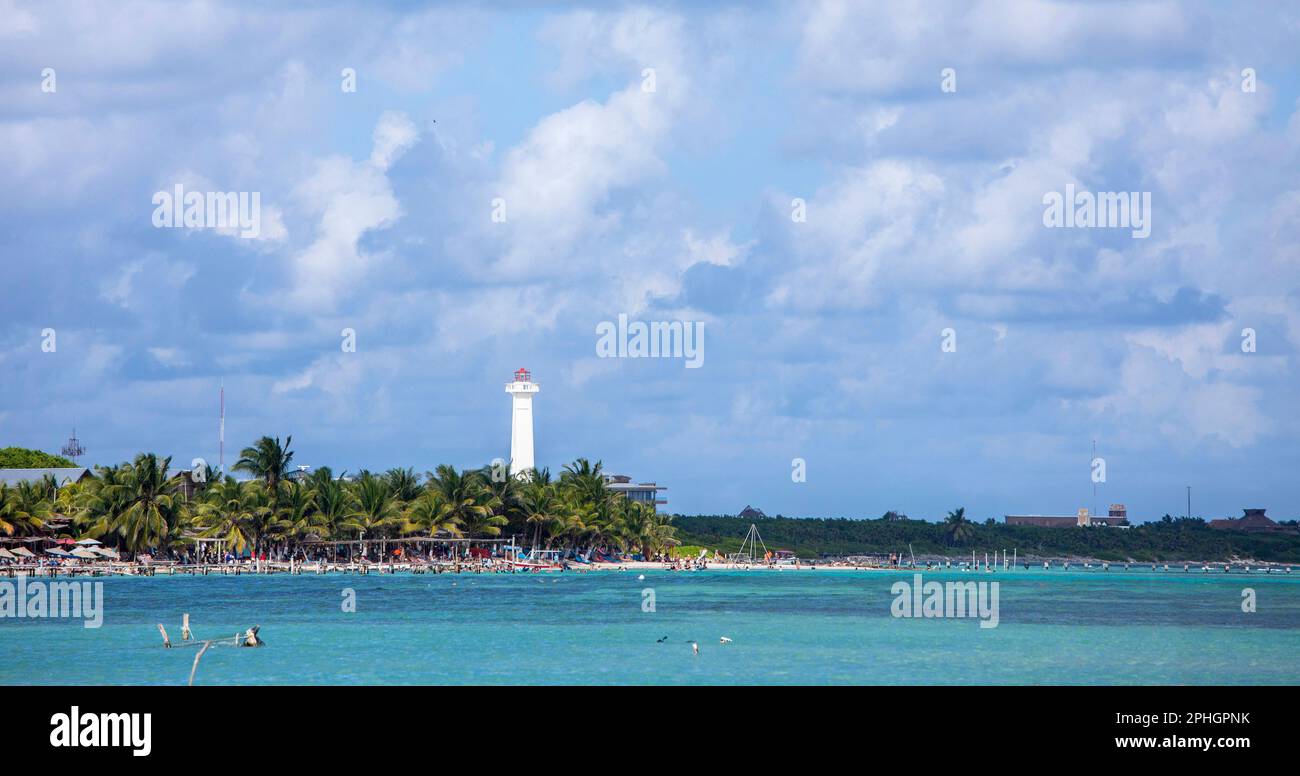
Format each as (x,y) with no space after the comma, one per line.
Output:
(195,667)
(185,627)
(166,641)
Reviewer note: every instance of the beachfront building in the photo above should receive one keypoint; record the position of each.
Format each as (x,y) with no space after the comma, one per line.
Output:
(521,391)
(188,483)
(1253,520)
(62,475)
(1118,517)
(645,492)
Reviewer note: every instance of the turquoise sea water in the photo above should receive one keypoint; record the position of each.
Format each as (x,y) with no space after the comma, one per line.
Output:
(786,627)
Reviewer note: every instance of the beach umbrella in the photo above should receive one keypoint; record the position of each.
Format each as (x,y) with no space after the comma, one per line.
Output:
(58,552)
(84,553)
(7,554)
(86,542)
(24,552)
(105,552)
(65,541)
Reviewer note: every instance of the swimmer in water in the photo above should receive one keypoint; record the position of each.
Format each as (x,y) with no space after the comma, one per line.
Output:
(695,648)
(251,638)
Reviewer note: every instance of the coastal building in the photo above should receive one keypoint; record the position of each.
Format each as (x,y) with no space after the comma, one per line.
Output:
(62,475)
(750,513)
(1042,521)
(645,492)
(187,484)
(1118,517)
(1253,520)
(521,391)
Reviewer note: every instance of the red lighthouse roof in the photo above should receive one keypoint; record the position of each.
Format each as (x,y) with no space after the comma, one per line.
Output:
(523,375)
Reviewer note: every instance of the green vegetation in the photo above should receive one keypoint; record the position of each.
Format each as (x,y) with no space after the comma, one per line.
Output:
(1170,539)
(22,458)
(135,507)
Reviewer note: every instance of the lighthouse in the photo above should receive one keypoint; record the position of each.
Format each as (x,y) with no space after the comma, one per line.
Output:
(521,392)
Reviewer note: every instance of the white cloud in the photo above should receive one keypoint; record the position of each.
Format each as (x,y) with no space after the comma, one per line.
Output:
(557,183)
(348,199)
(394,134)
(1163,385)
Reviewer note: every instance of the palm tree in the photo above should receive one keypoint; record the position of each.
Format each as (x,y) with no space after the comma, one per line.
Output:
(958,528)
(297,516)
(636,526)
(404,484)
(374,509)
(27,508)
(268,460)
(661,535)
(580,520)
(484,524)
(8,520)
(49,486)
(504,493)
(98,500)
(150,515)
(18,517)
(333,501)
(466,500)
(430,514)
(586,478)
(541,505)
(231,510)
(655,532)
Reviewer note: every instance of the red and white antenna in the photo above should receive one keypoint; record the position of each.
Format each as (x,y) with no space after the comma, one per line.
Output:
(221,432)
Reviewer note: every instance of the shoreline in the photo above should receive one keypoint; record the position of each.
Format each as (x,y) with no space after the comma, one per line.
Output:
(298,568)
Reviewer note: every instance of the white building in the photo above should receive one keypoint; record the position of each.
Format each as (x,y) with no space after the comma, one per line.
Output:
(521,392)
(644,492)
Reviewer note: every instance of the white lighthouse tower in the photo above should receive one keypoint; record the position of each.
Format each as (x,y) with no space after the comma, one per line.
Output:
(521,421)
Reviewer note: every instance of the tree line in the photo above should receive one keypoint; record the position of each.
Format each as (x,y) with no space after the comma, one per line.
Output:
(1168,539)
(140,507)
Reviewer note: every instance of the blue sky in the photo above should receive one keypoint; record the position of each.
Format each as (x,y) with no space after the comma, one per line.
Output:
(822,338)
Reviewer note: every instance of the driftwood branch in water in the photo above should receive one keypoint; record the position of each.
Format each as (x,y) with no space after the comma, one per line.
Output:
(195,667)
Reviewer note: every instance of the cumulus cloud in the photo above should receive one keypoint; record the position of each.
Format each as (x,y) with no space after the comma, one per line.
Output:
(646,160)
(348,199)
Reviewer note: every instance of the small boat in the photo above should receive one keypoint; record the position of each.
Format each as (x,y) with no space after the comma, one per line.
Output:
(537,560)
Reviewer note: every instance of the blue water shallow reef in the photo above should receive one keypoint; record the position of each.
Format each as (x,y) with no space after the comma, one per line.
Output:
(786,628)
